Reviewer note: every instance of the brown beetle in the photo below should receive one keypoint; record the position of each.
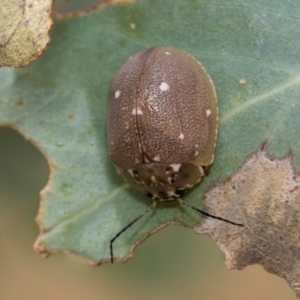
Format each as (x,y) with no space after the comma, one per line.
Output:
(162,124)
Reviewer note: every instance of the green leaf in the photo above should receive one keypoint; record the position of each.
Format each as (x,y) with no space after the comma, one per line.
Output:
(251,51)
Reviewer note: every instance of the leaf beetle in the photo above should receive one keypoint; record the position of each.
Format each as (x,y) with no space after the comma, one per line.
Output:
(162,125)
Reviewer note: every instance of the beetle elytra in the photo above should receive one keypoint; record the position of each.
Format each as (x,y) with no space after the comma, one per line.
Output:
(162,124)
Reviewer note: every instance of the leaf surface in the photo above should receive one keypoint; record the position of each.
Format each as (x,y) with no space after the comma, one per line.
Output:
(24,30)
(251,51)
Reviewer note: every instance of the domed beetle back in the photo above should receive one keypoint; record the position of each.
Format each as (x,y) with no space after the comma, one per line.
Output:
(162,124)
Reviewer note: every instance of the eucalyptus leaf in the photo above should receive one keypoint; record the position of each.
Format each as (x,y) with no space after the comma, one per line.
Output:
(249,48)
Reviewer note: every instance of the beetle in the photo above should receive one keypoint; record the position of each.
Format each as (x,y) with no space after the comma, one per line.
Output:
(162,125)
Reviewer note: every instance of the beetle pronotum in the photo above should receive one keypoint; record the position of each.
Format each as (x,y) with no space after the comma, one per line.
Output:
(162,125)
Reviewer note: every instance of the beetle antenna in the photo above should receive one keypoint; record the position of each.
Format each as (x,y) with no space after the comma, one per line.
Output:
(205,214)
(152,206)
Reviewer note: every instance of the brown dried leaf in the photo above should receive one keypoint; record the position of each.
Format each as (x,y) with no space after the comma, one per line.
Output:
(264,195)
(24,30)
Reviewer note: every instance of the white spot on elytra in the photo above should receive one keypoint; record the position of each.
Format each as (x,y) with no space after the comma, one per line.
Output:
(117,94)
(168,53)
(171,193)
(196,153)
(175,167)
(170,180)
(164,87)
(201,170)
(181,136)
(111,142)
(137,111)
(208,112)
(153,178)
(150,99)
(130,172)
(196,145)
(156,158)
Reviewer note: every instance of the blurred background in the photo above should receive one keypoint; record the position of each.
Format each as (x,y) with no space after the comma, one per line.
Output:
(173,264)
